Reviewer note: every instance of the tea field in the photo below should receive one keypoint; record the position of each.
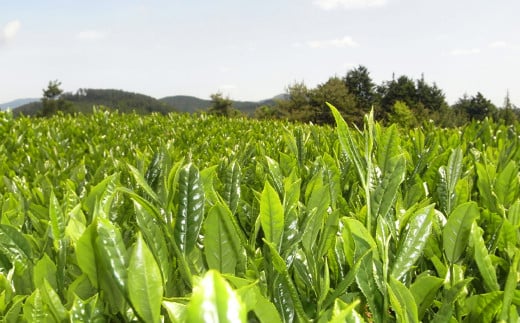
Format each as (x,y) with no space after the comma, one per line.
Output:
(195,218)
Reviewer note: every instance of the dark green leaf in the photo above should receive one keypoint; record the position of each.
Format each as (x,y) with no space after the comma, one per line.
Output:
(190,211)
(221,243)
(412,244)
(271,215)
(145,285)
(455,235)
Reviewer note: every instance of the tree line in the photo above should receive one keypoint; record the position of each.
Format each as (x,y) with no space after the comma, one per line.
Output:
(401,100)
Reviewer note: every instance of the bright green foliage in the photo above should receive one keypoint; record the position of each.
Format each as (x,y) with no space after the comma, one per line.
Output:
(178,218)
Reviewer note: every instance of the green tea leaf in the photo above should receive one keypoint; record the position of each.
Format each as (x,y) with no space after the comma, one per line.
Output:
(15,247)
(142,182)
(455,235)
(145,285)
(190,213)
(412,244)
(231,193)
(213,300)
(221,243)
(402,301)
(271,215)
(424,290)
(385,193)
(483,260)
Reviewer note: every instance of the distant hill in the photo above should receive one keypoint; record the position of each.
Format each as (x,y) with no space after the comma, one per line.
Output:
(16,103)
(84,99)
(184,103)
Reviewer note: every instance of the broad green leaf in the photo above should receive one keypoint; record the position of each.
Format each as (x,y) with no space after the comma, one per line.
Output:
(367,284)
(291,199)
(58,221)
(154,236)
(111,252)
(85,255)
(58,224)
(448,177)
(349,146)
(344,312)
(15,247)
(455,235)
(346,282)
(52,302)
(388,148)
(411,245)
(101,195)
(142,182)
(155,171)
(385,193)
(510,286)
(34,310)
(45,269)
(221,244)
(284,284)
(145,285)
(444,314)
(275,174)
(111,263)
(271,215)
(13,313)
(318,204)
(506,184)
(231,190)
(87,311)
(176,311)
(483,260)
(486,175)
(424,289)
(190,213)
(213,300)
(484,307)
(402,301)
(256,301)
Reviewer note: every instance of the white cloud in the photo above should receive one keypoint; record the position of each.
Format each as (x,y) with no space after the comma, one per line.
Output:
(346,41)
(499,44)
(349,4)
(10,30)
(464,52)
(90,35)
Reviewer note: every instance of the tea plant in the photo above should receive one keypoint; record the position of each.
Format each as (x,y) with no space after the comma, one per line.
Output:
(112,217)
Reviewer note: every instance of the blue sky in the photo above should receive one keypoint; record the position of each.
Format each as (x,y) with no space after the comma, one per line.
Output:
(253,50)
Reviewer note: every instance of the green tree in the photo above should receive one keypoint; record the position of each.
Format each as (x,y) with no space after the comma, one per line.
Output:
(297,106)
(334,91)
(430,96)
(509,112)
(220,105)
(402,115)
(402,89)
(476,107)
(360,84)
(52,100)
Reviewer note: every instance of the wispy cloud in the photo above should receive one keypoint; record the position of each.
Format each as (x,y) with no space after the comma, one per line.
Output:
(464,52)
(10,30)
(349,4)
(91,35)
(346,41)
